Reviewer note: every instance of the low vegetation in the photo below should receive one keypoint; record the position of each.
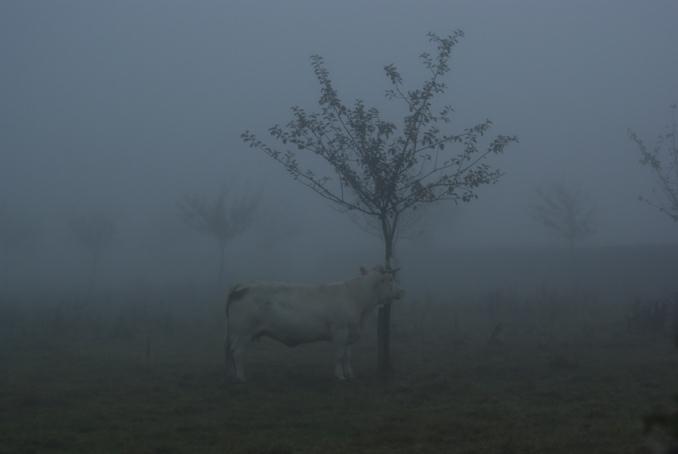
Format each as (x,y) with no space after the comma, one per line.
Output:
(549,371)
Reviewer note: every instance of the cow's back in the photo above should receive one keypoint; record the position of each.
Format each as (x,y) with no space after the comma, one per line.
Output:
(292,314)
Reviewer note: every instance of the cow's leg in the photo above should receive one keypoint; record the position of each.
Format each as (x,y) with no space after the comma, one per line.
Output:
(339,362)
(237,353)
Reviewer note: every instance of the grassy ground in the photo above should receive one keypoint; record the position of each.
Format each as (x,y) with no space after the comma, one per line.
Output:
(162,390)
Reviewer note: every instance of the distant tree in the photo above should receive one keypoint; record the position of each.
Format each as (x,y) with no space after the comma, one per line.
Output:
(565,212)
(382,169)
(222,218)
(95,231)
(16,230)
(662,159)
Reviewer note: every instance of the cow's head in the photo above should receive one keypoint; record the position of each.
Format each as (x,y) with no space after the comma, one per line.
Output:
(383,284)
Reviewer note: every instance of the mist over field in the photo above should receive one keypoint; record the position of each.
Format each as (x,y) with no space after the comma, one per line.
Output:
(120,120)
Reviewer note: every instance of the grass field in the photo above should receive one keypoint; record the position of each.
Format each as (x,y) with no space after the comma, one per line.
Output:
(86,384)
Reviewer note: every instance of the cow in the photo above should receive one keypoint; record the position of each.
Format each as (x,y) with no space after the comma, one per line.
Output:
(300,314)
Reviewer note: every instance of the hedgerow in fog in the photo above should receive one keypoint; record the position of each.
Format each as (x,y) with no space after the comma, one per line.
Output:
(222,218)
(384,169)
(662,159)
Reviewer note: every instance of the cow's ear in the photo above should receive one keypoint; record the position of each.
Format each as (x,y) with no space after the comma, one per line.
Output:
(363,271)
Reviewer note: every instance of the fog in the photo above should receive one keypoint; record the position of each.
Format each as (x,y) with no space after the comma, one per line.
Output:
(120,127)
(126,107)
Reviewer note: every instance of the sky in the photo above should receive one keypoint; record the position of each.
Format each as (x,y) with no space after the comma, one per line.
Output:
(127,106)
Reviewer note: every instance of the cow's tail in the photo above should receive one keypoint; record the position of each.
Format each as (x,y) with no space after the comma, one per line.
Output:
(228,354)
(235,293)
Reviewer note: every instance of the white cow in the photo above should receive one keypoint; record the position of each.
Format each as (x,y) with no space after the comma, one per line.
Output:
(299,314)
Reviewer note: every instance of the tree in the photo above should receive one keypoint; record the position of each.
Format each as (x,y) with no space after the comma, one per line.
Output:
(565,212)
(222,219)
(95,231)
(382,169)
(662,159)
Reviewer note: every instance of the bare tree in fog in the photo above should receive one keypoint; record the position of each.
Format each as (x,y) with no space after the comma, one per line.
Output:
(662,159)
(95,231)
(221,218)
(382,169)
(565,212)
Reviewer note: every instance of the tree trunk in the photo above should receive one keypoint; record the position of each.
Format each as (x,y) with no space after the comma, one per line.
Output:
(674,320)
(574,272)
(4,291)
(384,368)
(222,252)
(94,268)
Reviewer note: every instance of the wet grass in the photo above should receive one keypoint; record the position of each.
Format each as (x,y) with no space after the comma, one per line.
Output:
(97,393)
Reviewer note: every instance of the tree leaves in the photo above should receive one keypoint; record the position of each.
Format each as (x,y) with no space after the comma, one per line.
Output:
(383,168)
(662,159)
